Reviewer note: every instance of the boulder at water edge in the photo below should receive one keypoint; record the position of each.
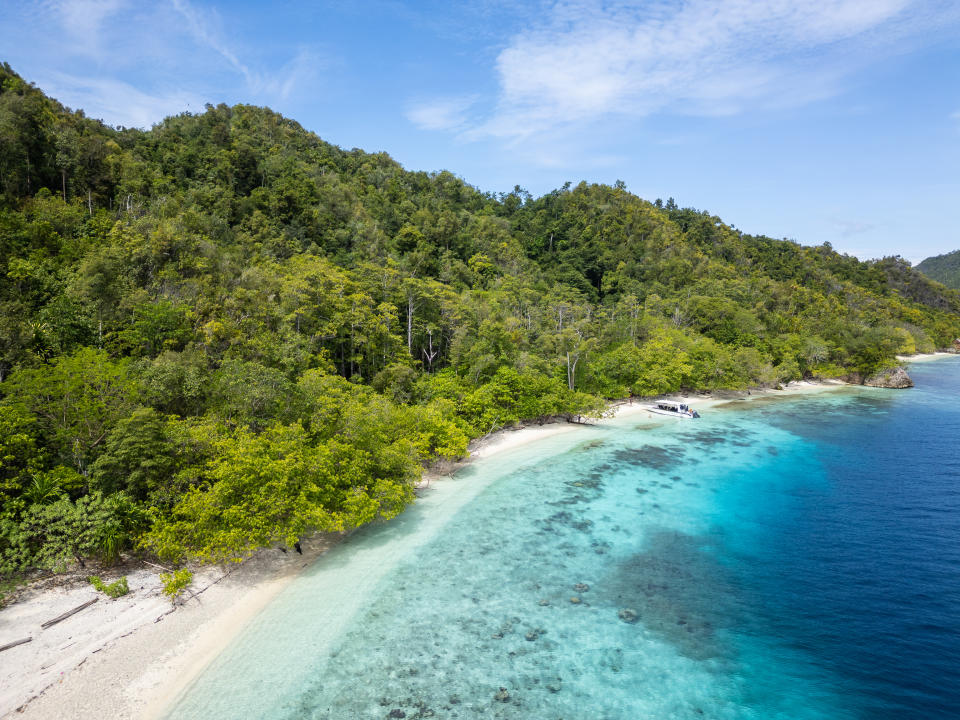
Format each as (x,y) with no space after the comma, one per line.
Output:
(896,378)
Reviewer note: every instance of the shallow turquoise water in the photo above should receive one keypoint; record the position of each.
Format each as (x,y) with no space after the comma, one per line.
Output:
(779,556)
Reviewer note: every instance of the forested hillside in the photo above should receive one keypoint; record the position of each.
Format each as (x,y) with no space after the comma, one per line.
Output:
(224,332)
(943,268)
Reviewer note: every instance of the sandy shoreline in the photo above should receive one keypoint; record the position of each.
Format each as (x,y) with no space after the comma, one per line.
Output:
(925,357)
(128,658)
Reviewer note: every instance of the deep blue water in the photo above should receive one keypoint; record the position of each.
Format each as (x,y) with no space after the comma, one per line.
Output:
(780,558)
(863,572)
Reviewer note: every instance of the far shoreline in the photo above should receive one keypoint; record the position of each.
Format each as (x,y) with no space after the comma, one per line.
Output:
(926,357)
(138,674)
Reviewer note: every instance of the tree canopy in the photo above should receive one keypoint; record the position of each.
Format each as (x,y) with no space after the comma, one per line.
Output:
(224,332)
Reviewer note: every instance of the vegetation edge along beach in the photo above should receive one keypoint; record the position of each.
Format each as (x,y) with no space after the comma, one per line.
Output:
(157,661)
(224,334)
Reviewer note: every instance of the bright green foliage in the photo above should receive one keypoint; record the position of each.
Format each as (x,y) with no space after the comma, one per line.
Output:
(175,383)
(156,326)
(176,582)
(116,589)
(277,487)
(225,332)
(656,367)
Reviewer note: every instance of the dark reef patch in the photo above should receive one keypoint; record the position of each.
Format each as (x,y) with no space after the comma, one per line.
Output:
(652,456)
(677,590)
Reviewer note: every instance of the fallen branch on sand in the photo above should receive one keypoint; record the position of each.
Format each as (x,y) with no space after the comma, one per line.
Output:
(68,613)
(15,643)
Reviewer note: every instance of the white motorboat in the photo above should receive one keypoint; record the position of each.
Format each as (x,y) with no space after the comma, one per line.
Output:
(673,409)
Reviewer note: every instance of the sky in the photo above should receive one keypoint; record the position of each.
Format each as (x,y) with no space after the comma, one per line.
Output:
(830,121)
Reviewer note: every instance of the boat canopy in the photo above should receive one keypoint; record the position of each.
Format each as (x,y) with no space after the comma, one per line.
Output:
(672,405)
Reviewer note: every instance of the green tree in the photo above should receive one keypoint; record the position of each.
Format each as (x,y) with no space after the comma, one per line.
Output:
(76,401)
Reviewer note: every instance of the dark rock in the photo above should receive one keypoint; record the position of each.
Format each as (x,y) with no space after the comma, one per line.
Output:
(628,615)
(502,695)
(581,587)
(544,602)
(532,635)
(397,713)
(895,378)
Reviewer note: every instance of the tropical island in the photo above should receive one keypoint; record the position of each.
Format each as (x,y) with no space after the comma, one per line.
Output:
(224,333)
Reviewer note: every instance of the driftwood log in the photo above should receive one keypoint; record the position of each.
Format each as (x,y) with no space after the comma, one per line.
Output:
(14,644)
(68,613)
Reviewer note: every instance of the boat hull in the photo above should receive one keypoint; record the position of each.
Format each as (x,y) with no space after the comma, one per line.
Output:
(671,413)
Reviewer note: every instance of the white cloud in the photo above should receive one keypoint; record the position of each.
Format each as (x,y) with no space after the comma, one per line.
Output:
(849,228)
(701,57)
(205,27)
(442,113)
(83,21)
(119,103)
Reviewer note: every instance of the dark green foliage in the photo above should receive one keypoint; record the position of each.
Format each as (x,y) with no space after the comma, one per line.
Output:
(139,456)
(56,534)
(225,332)
(943,268)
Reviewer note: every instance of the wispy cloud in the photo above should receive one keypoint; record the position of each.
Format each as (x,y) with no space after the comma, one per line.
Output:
(442,113)
(849,228)
(118,102)
(143,61)
(701,57)
(206,28)
(83,21)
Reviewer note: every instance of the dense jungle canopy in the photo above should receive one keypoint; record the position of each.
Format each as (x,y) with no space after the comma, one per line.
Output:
(224,332)
(943,268)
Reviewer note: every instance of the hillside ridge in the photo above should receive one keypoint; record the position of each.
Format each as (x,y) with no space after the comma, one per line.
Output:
(224,332)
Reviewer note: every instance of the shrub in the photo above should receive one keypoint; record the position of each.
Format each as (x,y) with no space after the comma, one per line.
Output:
(176,582)
(114,589)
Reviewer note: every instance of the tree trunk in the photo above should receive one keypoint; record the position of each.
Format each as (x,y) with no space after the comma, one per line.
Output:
(63,183)
(410,324)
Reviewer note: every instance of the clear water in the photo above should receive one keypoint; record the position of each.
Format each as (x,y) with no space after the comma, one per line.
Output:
(784,558)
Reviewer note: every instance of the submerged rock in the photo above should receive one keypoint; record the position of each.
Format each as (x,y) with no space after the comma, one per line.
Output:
(628,615)
(397,713)
(575,600)
(502,695)
(895,378)
(581,587)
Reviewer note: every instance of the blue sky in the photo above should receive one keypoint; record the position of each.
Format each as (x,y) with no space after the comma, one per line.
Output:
(835,120)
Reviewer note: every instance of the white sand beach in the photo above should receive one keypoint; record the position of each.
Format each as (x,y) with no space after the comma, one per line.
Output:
(130,657)
(925,357)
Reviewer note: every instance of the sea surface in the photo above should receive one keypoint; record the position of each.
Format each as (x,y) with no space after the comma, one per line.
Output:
(794,557)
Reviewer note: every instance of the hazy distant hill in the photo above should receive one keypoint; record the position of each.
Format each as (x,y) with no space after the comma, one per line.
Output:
(944,268)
